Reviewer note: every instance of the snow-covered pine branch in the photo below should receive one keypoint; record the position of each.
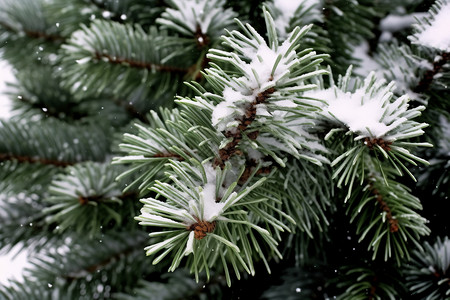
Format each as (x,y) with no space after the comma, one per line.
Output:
(208,220)
(203,19)
(382,125)
(258,106)
(432,31)
(367,109)
(236,175)
(169,136)
(87,189)
(289,14)
(427,273)
(254,116)
(95,56)
(432,36)
(406,71)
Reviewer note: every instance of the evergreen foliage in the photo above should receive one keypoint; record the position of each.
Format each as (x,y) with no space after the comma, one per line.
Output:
(194,149)
(427,273)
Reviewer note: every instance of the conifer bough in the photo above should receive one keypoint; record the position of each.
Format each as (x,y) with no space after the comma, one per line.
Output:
(279,151)
(266,106)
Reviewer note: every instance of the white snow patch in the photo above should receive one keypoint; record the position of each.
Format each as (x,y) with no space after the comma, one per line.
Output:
(211,208)
(437,34)
(368,115)
(224,112)
(286,103)
(254,154)
(394,23)
(259,70)
(347,108)
(287,9)
(191,12)
(12,265)
(261,110)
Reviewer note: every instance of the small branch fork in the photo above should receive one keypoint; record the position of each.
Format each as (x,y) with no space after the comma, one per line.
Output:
(428,77)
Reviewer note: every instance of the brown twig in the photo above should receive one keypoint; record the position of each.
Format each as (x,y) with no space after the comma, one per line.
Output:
(140,64)
(250,114)
(193,72)
(29,159)
(393,223)
(86,199)
(169,155)
(251,164)
(35,34)
(97,198)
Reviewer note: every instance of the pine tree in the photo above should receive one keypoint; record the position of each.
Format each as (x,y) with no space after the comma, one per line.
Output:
(227,149)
